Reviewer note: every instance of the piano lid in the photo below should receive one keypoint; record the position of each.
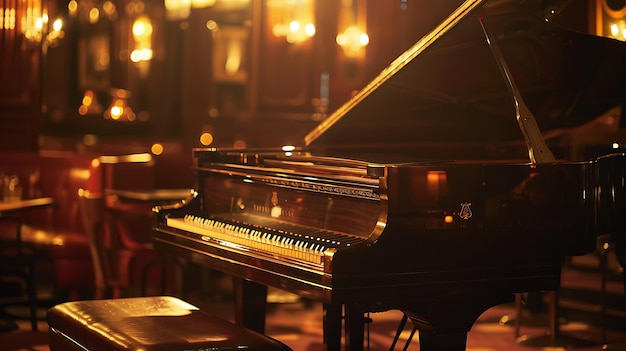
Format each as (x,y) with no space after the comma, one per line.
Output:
(448,87)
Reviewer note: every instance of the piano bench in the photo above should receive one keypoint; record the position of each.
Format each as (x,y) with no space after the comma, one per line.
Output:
(159,323)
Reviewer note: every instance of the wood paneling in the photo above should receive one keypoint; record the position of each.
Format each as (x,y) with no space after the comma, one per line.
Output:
(19,82)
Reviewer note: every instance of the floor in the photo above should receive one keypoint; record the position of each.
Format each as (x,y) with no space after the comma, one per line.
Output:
(298,324)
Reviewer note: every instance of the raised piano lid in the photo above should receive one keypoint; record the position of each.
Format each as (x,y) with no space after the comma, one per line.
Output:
(446,95)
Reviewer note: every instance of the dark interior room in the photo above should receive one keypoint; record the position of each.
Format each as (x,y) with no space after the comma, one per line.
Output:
(312,175)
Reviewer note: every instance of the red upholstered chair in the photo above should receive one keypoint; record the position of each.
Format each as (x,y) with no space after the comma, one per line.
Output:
(122,265)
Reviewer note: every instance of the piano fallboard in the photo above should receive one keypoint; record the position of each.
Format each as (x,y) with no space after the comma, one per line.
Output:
(375,291)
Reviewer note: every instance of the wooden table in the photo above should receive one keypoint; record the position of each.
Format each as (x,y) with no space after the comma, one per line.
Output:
(24,205)
(8,210)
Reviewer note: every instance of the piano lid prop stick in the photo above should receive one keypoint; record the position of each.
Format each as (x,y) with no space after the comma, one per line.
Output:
(538,151)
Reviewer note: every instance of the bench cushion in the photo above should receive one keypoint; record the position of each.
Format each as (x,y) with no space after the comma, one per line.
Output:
(157,323)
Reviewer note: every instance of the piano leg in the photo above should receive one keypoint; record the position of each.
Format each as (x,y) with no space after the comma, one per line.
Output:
(332,327)
(619,244)
(444,324)
(442,342)
(250,304)
(355,326)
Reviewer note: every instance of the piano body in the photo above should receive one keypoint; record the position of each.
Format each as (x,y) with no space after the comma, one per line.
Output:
(442,188)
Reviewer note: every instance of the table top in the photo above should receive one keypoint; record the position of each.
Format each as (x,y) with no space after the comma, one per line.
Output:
(151,194)
(26,204)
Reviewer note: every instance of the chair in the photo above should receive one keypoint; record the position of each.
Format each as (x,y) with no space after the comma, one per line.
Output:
(118,264)
(18,261)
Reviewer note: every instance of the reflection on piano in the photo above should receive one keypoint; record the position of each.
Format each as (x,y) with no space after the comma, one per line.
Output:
(437,189)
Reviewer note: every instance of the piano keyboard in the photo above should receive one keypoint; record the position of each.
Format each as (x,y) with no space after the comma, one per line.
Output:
(287,244)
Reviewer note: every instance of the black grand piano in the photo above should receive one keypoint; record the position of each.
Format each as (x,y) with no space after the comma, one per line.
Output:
(441,189)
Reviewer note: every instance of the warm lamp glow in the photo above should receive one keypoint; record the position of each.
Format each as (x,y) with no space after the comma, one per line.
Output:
(57,25)
(352,41)
(177,9)
(36,28)
(142,28)
(91,12)
(72,7)
(157,149)
(141,55)
(119,110)
(206,139)
(198,4)
(7,18)
(351,33)
(90,104)
(617,30)
(292,19)
(142,36)
(181,9)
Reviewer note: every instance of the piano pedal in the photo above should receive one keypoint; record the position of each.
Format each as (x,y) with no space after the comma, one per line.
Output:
(400,331)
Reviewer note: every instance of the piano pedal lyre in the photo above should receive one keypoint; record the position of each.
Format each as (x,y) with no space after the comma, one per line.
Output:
(399,331)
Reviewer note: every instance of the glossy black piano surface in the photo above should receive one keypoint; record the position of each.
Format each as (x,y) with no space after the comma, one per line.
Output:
(425,191)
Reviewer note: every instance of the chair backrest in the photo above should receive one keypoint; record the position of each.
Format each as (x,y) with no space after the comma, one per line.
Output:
(93,214)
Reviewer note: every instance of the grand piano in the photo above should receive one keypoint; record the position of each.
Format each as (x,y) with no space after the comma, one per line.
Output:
(441,189)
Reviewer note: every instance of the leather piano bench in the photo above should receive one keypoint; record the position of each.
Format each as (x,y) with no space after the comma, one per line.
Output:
(159,323)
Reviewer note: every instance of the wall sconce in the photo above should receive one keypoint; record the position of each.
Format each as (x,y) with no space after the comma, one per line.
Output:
(611,19)
(37,29)
(618,30)
(353,39)
(142,35)
(120,110)
(89,104)
(292,19)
